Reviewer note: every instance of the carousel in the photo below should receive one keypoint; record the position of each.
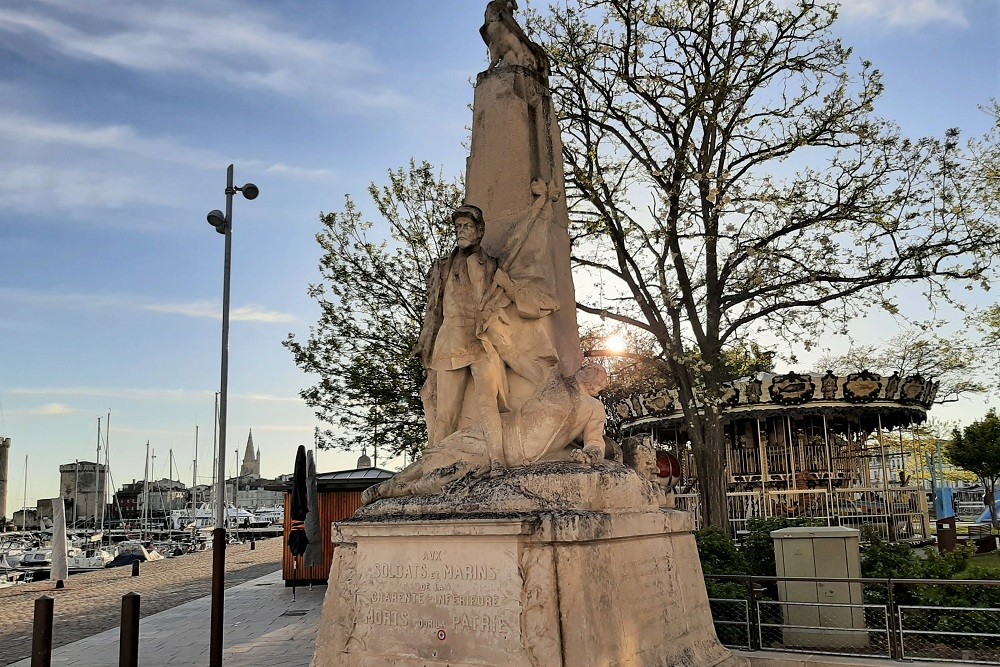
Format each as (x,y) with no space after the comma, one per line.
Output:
(836,450)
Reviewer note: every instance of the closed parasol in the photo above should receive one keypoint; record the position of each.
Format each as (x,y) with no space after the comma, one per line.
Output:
(314,550)
(297,540)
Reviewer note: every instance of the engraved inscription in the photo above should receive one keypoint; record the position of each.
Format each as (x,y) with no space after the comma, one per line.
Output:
(473,596)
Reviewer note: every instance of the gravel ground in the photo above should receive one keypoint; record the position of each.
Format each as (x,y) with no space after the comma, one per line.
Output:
(91,602)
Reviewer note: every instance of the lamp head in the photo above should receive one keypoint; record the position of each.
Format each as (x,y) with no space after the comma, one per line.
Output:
(217,219)
(250,191)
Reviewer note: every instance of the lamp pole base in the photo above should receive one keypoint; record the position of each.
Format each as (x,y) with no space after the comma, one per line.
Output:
(218,595)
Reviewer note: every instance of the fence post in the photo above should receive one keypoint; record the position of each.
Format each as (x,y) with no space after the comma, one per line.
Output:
(895,650)
(41,638)
(753,639)
(128,652)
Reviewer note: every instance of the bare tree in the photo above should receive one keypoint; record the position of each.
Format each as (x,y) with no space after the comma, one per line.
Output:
(728,177)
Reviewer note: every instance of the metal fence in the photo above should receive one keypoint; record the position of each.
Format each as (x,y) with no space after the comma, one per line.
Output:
(898,514)
(897,619)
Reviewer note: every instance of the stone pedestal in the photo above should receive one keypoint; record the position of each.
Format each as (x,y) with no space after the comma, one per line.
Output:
(526,588)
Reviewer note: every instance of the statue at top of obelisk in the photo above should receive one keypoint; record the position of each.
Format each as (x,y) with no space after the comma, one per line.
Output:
(499,341)
(507,42)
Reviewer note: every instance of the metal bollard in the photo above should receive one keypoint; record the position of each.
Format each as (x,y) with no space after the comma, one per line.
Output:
(128,652)
(253,544)
(135,569)
(41,638)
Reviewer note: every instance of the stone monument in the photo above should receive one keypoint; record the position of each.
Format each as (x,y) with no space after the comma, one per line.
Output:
(519,538)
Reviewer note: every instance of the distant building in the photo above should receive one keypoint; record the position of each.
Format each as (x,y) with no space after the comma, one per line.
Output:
(45,510)
(83,484)
(202,493)
(251,460)
(4,464)
(26,517)
(166,495)
(126,501)
(253,494)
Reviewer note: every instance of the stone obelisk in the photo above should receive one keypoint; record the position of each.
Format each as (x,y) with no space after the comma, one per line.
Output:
(515,140)
(4,465)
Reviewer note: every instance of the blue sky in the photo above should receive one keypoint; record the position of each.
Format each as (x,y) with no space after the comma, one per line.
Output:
(117,122)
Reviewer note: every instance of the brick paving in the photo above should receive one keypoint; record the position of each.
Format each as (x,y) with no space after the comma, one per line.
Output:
(91,602)
(263,627)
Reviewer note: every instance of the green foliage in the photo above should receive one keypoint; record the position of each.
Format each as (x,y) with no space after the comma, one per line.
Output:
(679,122)
(976,448)
(884,560)
(718,552)
(880,560)
(372,297)
(898,560)
(719,555)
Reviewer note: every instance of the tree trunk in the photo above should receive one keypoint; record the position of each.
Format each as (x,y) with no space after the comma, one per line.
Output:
(710,461)
(992,505)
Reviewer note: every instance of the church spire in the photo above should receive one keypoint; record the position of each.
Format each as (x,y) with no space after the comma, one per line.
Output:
(251,462)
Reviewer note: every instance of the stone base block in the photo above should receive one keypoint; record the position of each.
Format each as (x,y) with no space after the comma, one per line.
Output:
(565,588)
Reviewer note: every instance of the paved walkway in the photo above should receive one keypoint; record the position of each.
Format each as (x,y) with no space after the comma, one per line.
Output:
(263,628)
(91,602)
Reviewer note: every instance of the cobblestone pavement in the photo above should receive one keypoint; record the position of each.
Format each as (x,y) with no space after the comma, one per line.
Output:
(263,627)
(91,602)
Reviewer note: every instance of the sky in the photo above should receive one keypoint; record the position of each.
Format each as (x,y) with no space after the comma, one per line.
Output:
(117,122)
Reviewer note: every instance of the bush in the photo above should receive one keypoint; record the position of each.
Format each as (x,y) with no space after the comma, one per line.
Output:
(718,552)
(885,560)
(719,555)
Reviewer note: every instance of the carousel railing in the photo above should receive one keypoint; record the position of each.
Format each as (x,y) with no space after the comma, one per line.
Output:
(898,514)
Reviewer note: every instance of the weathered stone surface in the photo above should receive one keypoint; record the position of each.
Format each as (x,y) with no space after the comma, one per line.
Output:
(515,140)
(544,589)
(544,487)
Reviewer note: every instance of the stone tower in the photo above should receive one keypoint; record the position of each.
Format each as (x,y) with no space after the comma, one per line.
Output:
(251,462)
(4,462)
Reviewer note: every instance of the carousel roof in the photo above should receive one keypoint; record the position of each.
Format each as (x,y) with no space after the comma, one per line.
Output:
(893,400)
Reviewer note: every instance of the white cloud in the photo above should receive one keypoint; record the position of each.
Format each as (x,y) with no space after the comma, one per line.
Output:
(210,310)
(909,13)
(120,139)
(299,172)
(221,41)
(197,309)
(49,410)
(104,167)
(144,394)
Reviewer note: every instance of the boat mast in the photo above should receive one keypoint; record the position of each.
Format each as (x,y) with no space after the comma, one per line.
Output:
(144,520)
(159,491)
(76,491)
(98,497)
(107,467)
(213,495)
(194,480)
(236,476)
(170,473)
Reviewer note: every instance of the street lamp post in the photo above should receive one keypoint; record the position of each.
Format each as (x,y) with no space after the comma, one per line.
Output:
(224,225)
